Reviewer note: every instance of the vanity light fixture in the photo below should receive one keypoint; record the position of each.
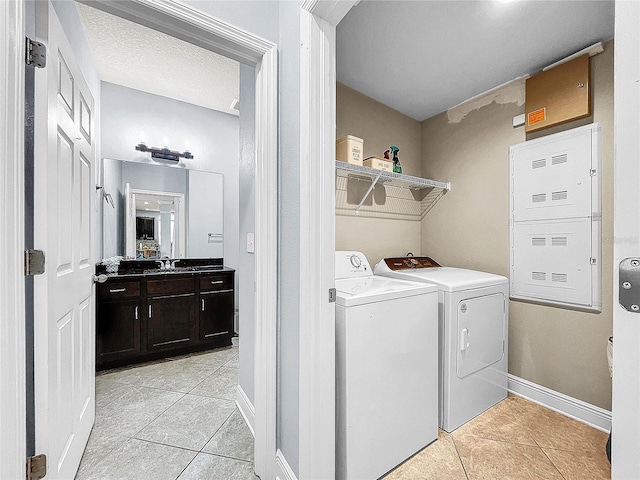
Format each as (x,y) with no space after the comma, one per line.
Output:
(164,153)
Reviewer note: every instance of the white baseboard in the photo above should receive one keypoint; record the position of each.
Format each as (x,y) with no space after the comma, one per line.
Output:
(283,470)
(571,407)
(246,408)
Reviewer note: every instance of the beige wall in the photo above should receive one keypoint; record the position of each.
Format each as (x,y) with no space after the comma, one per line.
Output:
(379,126)
(561,349)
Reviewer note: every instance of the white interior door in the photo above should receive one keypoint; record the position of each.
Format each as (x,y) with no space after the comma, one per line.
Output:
(626,324)
(64,308)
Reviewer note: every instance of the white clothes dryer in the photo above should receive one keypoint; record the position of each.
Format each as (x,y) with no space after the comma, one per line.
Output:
(386,369)
(473,335)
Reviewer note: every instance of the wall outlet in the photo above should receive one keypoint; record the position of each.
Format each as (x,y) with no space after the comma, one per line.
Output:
(251,242)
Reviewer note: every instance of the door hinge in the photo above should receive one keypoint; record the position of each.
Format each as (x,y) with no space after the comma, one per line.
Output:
(36,54)
(332,295)
(36,467)
(33,262)
(629,284)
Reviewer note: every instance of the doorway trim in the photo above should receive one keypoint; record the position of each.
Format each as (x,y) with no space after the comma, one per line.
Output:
(201,29)
(318,21)
(12,242)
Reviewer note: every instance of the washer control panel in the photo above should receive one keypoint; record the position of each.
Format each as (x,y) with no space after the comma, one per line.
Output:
(352,264)
(404,263)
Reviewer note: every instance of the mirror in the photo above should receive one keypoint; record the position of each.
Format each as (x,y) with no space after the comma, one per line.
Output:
(153,211)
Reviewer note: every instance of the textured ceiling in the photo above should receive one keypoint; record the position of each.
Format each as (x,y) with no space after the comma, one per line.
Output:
(424,57)
(138,57)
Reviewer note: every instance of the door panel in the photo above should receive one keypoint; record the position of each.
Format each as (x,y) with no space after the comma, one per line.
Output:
(481,323)
(64,328)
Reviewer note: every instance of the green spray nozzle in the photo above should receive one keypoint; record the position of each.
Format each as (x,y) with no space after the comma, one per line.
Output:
(394,149)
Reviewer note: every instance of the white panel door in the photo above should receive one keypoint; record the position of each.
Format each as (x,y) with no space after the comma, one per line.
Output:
(626,324)
(64,308)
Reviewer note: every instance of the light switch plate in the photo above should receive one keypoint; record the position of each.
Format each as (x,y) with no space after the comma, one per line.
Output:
(251,242)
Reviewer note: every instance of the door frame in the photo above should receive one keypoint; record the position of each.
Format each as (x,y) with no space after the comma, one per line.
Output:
(209,32)
(199,28)
(130,226)
(626,325)
(318,21)
(12,242)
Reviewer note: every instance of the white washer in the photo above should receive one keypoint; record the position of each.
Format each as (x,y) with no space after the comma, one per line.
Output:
(386,369)
(473,332)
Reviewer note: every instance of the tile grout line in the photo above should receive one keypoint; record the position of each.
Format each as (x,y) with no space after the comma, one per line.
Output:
(464,469)
(552,463)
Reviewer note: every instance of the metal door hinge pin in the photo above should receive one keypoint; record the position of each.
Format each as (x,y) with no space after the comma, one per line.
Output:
(332,295)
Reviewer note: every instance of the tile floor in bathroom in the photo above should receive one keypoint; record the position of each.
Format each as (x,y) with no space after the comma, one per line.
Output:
(171,419)
(516,439)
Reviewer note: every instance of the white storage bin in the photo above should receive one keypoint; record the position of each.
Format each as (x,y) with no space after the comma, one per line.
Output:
(349,149)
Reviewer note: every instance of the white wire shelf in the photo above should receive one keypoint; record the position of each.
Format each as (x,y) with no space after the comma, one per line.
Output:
(433,190)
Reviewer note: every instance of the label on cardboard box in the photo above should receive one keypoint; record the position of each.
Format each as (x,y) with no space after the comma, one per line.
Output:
(378,163)
(537,116)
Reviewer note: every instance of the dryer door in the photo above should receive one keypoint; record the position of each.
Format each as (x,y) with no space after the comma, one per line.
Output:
(481,324)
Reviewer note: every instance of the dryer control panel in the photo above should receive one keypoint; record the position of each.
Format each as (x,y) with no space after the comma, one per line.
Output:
(403,263)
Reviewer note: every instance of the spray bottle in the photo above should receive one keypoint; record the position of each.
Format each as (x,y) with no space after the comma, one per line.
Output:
(397,168)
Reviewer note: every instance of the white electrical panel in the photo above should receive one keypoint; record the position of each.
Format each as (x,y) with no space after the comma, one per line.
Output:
(555,219)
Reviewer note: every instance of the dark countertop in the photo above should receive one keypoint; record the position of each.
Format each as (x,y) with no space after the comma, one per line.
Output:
(164,273)
(150,268)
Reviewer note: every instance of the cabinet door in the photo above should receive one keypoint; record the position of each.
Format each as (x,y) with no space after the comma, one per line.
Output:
(170,321)
(117,330)
(216,315)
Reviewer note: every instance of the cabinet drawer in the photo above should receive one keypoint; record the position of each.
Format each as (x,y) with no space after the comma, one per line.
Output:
(216,282)
(170,286)
(115,290)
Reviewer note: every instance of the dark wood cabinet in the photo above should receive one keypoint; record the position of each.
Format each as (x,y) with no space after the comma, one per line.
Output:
(118,320)
(117,330)
(144,317)
(170,322)
(216,307)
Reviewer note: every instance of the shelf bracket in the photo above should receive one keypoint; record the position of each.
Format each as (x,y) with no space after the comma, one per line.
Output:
(373,184)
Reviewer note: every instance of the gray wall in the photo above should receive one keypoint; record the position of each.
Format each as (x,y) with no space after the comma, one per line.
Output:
(113,218)
(213,139)
(246,261)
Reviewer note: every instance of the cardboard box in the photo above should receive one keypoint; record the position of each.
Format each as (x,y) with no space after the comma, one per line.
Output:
(379,163)
(349,149)
(559,95)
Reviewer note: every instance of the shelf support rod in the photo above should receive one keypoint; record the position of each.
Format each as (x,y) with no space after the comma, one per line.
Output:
(373,184)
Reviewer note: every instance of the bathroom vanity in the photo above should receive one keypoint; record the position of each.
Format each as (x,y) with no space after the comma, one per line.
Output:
(146,313)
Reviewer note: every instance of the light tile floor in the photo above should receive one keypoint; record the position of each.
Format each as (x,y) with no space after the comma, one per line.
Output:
(516,439)
(173,419)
